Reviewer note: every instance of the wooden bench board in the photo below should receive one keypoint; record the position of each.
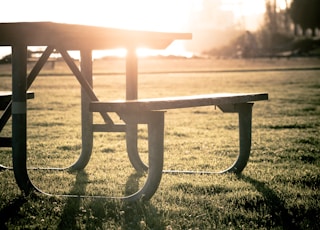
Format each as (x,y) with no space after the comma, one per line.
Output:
(5,98)
(176,102)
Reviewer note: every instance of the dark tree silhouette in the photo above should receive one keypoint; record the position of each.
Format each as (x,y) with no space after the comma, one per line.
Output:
(306,14)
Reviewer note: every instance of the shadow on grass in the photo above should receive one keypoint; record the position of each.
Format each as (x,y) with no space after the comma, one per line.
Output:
(99,213)
(12,209)
(281,216)
(72,207)
(139,214)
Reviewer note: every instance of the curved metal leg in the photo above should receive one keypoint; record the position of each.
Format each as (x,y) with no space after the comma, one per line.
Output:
(19,117)
(132,148)
(245,126)
(87,135)
(19,153)
(86,115)
(132,94)
(245,119)
(19,121)
(31,77)
(155,121)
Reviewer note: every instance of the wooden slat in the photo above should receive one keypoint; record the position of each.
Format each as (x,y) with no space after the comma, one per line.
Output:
(5,98)
(75,37)
(176,102)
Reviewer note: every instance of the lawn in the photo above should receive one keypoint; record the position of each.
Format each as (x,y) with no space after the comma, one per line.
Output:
(277,190)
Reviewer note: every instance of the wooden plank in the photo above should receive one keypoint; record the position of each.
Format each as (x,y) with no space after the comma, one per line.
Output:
(176,102)
(75,37)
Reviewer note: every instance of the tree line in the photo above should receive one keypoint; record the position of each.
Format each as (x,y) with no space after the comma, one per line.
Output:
(306,14)
(280,34)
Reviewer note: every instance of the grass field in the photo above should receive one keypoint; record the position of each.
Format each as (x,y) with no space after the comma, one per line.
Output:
(277,190)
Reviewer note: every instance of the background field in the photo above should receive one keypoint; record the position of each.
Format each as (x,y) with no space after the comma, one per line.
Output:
(277,190)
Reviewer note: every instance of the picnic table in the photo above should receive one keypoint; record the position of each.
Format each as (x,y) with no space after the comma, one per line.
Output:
(65,37)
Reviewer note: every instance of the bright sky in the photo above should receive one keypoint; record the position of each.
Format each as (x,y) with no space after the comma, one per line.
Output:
(157,15)
(244,7)
(132,14)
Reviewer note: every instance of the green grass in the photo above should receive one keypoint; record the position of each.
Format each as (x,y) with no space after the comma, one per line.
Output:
(277,190)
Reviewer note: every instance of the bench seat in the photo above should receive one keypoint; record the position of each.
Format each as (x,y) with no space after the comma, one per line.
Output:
(153,104)
(5,98)
(151,111)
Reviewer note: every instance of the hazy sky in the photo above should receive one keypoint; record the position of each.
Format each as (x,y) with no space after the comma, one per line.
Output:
(158,15)
(135,14)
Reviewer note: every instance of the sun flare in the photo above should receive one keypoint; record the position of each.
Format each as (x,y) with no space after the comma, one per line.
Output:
(149,15)
(164,15)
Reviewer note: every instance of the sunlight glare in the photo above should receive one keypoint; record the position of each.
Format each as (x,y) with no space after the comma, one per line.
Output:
(164,15)
(282,4)
(149,15)
(120,53)
(247,7)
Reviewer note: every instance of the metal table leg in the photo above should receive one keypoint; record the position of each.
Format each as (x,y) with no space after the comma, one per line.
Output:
(132,94)
(19,117)
(132,149)
(32,75)
(86,115)
(155,121)
(245,126)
